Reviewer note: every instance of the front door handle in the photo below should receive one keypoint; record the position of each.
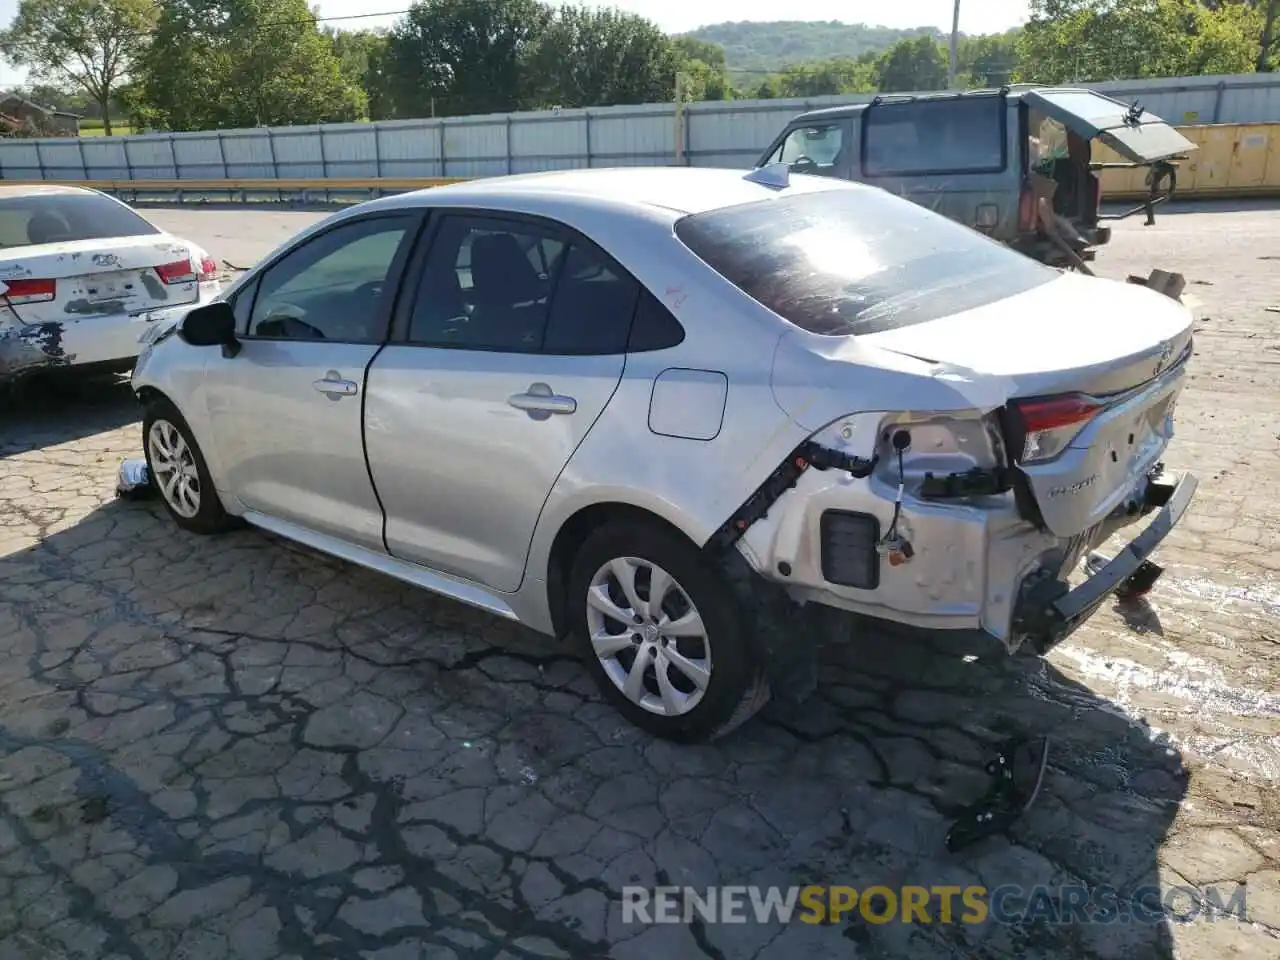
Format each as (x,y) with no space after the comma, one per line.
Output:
(334,386)
(540,402)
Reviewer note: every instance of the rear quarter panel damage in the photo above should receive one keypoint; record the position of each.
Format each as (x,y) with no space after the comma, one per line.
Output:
(30,346)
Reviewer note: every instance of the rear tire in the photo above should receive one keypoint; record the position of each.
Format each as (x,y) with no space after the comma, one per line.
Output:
(178,471)
(698,676)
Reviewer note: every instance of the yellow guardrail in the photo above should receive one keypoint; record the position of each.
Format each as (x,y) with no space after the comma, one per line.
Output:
(1233,160)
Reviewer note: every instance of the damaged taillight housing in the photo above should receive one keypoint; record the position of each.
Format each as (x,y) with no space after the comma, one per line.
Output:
(180,271)
(208,269)
(30,291)
(1042,428)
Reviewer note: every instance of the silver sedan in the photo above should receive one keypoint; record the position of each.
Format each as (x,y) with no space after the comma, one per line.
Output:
(692,419)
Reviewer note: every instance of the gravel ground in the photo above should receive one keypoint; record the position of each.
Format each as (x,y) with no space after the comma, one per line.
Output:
(233,748)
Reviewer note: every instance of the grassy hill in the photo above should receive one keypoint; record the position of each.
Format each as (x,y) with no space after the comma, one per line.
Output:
(765,47)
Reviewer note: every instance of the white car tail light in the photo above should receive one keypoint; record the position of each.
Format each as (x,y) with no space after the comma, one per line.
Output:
(180,271)
(30,291)
(1048,425)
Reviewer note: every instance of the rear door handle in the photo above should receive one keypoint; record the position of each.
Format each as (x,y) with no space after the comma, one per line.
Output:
(540,402)
(334,386)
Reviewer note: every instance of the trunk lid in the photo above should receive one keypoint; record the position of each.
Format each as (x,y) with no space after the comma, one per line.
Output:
(1092,369)
(84,279)
(1134,133)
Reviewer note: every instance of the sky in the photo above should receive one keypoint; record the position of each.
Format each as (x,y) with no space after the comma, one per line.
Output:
(676,16)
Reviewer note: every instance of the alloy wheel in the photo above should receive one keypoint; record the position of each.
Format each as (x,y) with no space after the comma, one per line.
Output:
(648,636)
(174,466)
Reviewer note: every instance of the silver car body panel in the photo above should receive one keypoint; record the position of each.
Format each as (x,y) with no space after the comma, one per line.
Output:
(474,491)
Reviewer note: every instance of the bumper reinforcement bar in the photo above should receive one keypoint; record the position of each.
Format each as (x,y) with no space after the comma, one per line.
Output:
(1060,614)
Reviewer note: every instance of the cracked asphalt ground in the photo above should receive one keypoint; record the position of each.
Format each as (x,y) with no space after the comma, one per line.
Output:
(233,748)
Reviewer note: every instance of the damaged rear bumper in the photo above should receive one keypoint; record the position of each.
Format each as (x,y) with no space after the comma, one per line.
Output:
(1049,611)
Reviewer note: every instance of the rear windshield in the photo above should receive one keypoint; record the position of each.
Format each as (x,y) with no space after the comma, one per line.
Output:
(56,218)
(856,261)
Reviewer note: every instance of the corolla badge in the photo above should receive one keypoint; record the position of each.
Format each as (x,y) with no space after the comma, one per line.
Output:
(1071,489)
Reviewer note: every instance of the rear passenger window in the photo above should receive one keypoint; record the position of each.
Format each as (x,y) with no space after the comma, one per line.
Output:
(946,135)
(486,286)
(654,327)
(592,307)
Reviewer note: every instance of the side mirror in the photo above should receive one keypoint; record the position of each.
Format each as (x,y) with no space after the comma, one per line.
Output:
(213,325)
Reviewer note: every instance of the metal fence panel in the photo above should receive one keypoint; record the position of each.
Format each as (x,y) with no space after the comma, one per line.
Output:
(249,154)
(411,148)
(198,156)
(105,158)
(299,151)
(60,159)
(731,133)
(150,157)
(476,147)
(642,133)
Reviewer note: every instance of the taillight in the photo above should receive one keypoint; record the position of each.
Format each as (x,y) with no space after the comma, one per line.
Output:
(180,271)
(1048,425)
(30,291)
(1026,209)
(208,269)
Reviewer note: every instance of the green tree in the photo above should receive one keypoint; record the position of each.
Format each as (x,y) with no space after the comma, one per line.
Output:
(1069,40)
(243,63)
(455,57)
(988,61)
(88,44)
(705,67)
(827,78)
(585,57)
(362,57)
(917,64)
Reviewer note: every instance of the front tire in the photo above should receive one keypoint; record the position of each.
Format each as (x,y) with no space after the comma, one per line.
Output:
(660,634)
(178,470)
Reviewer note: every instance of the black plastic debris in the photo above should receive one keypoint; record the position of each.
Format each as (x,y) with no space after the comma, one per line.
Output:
(1017,773)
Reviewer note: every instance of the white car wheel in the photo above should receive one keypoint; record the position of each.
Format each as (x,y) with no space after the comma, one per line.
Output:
(648,609)
(648,636)
(174,467)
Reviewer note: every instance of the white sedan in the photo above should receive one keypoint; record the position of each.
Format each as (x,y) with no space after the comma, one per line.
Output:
(676,413)
(83,277)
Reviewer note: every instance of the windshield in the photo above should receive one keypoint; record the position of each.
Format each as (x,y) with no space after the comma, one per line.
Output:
(856,261)
(57,218)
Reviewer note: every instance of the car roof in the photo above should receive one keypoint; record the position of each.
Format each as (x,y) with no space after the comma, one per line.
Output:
(18,191)
(677,190)
(1013,92)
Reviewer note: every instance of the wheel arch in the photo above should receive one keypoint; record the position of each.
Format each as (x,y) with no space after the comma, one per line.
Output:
(573,534)
(148,395)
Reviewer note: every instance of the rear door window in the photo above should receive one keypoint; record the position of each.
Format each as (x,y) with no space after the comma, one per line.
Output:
(857,260)
(935,135)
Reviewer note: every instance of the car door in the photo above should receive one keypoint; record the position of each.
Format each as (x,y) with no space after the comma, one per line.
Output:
(502,361)
(817,147)
(949,154)
(285,410)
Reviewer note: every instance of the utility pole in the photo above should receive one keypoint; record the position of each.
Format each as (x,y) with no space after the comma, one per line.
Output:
(953,65)
(679,131)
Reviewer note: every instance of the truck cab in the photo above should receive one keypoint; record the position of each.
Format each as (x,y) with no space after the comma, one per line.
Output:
(1014,163)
